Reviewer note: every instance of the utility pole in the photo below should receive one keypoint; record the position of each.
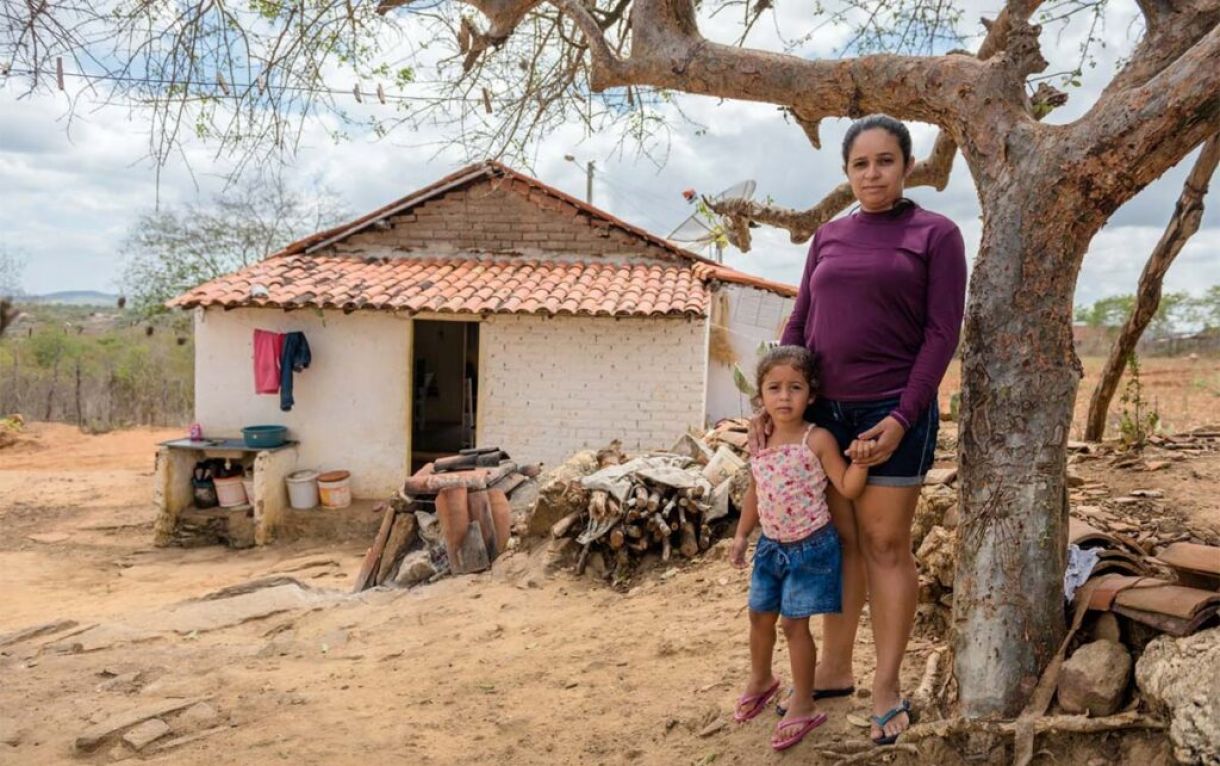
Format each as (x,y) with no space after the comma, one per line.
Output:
(590,166)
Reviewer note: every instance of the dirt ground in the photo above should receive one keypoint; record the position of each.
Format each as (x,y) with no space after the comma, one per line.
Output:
(517,666)
(1183,391)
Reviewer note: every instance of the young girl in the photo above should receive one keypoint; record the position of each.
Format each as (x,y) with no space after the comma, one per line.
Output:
(797,560)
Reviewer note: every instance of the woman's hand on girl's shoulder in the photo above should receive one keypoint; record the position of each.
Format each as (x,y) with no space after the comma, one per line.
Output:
(757,432)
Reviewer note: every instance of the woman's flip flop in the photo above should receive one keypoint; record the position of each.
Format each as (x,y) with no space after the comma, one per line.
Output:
(881,720)
(788,733)
(750,705)
(819,694)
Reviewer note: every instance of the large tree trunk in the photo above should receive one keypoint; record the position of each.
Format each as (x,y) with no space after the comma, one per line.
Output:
(1020,376)
(1185,222)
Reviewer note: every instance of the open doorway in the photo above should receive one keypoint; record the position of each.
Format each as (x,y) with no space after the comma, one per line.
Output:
(445,389)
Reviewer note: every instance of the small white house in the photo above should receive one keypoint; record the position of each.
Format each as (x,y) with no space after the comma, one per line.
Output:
(485,309)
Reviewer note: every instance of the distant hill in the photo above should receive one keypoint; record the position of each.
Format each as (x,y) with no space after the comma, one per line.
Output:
(72,298)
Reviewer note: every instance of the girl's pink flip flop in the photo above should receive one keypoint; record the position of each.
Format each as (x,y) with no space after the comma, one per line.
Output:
(788,733)
(750,705)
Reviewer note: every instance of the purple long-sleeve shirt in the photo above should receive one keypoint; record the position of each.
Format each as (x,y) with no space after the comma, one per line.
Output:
(880,306)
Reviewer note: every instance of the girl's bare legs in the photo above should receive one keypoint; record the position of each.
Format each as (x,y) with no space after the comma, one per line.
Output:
(762,648)
(804,655)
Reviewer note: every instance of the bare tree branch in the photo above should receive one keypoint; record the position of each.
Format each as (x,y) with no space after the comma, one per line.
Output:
(1130,138)
(1187,215)
(932,171)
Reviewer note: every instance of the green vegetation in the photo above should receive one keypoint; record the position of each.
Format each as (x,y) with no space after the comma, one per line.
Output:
(1177,313)
(1138,420)
(98,367)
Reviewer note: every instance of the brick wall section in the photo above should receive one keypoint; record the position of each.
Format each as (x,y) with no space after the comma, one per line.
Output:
(550,387)
(502,215)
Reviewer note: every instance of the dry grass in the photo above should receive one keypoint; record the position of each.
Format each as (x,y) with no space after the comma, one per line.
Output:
(1185,392)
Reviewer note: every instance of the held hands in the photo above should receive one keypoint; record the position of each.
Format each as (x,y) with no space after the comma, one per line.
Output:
(737,553)
(875,445)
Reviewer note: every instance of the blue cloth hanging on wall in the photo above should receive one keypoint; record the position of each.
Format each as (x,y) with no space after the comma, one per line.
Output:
(294,358)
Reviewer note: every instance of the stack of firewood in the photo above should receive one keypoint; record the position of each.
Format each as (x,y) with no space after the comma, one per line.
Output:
(659,503)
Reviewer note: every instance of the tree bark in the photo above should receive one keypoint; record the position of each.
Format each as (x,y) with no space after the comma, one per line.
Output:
(1020,376)
(1187,215)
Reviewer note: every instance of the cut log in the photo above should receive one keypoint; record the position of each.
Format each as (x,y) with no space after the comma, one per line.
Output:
(584,559)
(564,525)
(617,538)
(690,543)
(666,548)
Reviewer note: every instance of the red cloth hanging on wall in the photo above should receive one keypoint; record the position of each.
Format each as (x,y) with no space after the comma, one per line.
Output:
(267,349)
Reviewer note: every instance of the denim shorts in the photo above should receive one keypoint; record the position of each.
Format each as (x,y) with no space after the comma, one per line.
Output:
(915,454)
(798,579)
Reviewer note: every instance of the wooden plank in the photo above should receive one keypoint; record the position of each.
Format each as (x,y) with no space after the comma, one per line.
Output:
(371,559)
(401,536)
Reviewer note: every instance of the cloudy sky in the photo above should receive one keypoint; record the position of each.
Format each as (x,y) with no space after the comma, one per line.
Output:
(71,189)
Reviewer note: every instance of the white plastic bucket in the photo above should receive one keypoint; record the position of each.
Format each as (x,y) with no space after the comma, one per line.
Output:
(247,483)
(334,488)
(230,492)
(303,489)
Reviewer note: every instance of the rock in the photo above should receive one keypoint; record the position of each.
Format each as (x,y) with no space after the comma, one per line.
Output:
(934,502)
(560,492)
(1179,678)
(119,752)
(521,502)
(10,734)
(49,538)
(429,527)
(1094,678)
(1153,493)
(124,683)
(96,734)
(1074,480)
(740,484)
(416,567)
(941,476)
(936,555)
(146,733)
(196,718)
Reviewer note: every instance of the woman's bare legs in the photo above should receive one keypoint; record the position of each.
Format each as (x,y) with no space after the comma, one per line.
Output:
(883,519)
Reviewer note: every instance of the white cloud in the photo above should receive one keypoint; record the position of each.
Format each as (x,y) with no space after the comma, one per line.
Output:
(66,199)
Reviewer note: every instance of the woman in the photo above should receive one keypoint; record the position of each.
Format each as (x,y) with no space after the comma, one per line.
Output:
(880,305)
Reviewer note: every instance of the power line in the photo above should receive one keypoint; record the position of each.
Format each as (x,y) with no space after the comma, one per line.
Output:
(223,89)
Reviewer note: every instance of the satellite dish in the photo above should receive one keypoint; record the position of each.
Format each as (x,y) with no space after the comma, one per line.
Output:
(704,231)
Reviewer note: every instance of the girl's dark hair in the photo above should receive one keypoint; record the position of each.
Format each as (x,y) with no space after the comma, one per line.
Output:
(796,357)
(890,125)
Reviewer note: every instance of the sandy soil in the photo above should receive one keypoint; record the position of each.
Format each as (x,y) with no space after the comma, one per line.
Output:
(516,666)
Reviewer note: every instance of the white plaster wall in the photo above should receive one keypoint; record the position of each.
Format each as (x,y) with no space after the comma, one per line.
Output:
(754,316)
(550,387)
(351,404)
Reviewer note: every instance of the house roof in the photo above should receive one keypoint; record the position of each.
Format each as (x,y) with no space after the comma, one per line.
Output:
(459,285)
(299,275)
